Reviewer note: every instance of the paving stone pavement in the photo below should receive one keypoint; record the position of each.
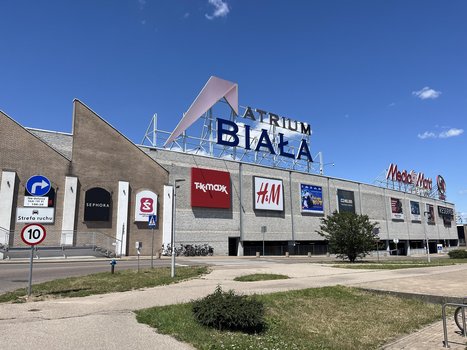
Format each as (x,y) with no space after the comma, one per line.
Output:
(107,321)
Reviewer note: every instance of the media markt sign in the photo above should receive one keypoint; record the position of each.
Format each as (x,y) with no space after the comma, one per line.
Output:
(33,215)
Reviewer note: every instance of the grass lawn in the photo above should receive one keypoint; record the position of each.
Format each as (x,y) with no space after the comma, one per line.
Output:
(398,264)
(319,318)
(104,282)
(260,277)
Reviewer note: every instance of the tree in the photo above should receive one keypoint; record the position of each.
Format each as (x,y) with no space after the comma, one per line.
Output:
(350,236)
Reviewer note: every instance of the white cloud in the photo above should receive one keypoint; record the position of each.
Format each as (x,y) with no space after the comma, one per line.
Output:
(462,192)
(427,135)
(426,93)
(221,9)
(451,133)
(186,15)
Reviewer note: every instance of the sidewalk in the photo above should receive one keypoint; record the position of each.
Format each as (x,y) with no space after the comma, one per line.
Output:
(107,321)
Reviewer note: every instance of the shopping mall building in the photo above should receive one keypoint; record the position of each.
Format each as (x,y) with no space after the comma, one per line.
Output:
(250,181)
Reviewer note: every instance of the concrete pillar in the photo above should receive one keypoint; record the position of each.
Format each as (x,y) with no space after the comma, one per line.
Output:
(7,190)
(122,217)
(69,210)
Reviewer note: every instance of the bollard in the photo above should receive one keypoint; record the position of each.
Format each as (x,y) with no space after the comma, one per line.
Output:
(112,266)
(286,254)
(309,254)
(258,254)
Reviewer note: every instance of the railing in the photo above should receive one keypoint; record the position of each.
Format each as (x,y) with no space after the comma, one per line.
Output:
(445,329)
(4,238)
(99,241)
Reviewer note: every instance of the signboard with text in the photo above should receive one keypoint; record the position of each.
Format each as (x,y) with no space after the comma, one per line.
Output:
(210,188)
(311,199)
(346,201)
(397,212)
(268,194)
(415,211)
(145,205)
(97,205)
(31,215)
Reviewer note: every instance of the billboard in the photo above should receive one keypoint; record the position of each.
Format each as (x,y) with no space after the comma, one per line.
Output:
(397,212)
(145,205)
(311,199)
(97,205)
(415,211)
(268,194)
(346,201)
(210,188)
(430,214)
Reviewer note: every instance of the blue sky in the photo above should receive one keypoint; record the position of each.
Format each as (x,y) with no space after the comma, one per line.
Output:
(379,81)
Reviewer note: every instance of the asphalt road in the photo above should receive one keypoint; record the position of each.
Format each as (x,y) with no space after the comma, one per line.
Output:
(15,275)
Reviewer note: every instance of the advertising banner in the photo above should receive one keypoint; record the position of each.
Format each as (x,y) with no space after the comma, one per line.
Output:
(97,205)
(447,214)
(346,201)
(210,188)
(33,215)
(415,211)
(430,214)
(396,209)
(145,205)
(311,199)
(269,194)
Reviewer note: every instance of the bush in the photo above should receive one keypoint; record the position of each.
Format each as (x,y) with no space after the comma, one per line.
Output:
(458,254)
(229,311)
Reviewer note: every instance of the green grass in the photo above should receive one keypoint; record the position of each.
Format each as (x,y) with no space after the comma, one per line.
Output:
(397,264)
(321,318)
(105,282)
(260,277)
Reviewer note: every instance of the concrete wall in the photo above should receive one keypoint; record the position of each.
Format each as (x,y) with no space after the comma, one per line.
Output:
(214,226)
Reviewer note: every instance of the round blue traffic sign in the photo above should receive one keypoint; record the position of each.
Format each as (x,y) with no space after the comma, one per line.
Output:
(38,185)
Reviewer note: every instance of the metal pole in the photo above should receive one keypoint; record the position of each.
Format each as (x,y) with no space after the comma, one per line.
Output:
(30,271)
(138,261)
(263,243)
(172,273)
(424,231)
(152,250)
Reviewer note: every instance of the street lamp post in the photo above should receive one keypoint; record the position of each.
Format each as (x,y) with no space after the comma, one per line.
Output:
(426,238)
(174,208)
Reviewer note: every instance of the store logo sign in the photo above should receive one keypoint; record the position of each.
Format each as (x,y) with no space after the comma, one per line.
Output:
(210,188)
(409,178)
(269,194)
(146,205)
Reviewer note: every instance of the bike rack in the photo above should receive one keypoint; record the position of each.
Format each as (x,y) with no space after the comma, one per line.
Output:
(445,329)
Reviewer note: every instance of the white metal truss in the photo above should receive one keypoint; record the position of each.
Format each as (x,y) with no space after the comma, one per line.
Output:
(207,145)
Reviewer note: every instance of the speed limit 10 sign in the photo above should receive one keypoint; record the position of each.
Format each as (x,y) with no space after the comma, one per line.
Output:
(33,234)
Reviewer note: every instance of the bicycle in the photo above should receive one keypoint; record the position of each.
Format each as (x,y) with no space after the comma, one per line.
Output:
(458,315)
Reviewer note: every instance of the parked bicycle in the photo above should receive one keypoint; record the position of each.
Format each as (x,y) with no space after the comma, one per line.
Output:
(458,315)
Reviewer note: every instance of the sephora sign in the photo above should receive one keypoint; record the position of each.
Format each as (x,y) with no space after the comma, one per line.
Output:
(409,178)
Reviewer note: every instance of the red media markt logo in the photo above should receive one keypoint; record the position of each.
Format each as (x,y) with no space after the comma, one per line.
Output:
(441,187)
(146,205)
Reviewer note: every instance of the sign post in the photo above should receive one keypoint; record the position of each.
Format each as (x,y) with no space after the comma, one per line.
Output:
(263,230)
(152,221)
(32,235)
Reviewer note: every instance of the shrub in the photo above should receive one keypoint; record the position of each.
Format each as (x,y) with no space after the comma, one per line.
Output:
(458,254)
(229,311)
